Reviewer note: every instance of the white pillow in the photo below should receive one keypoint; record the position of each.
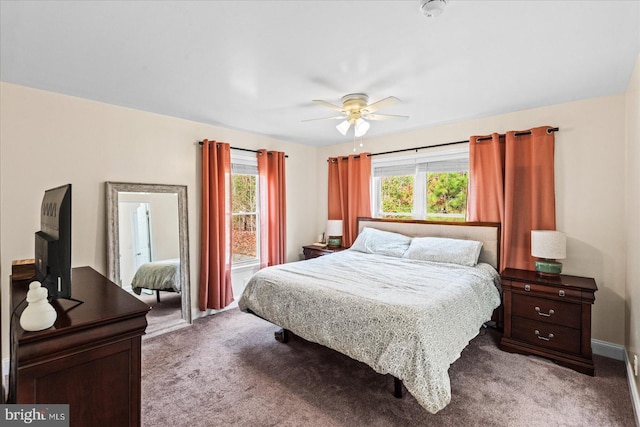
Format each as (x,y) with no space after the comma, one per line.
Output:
(374,241)
(441,249)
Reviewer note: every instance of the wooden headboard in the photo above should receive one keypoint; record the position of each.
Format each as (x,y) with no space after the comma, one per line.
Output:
(486,232)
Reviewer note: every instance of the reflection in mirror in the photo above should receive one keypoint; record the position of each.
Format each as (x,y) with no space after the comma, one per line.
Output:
(148,249)
(148,232)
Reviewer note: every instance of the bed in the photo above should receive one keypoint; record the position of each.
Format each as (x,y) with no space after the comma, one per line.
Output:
(405,299)
(157,276)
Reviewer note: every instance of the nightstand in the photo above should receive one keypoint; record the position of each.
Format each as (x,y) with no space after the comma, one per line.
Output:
(549,317)
(314,251)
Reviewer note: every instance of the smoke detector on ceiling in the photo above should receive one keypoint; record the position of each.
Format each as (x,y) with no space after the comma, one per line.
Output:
(432,8)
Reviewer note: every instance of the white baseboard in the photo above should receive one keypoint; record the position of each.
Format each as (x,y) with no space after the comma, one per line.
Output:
(5,367)
(618,352)
(607,349)
(5,378)
(635,399)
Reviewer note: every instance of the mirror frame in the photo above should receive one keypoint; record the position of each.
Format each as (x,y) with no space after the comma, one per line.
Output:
(113,237)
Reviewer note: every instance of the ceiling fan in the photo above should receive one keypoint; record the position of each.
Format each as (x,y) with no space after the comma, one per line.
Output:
(356,111)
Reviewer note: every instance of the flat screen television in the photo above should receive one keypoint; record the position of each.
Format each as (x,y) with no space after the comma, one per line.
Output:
(53,242)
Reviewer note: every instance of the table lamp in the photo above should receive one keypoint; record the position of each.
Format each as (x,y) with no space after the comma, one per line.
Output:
(549,245)
(334,233)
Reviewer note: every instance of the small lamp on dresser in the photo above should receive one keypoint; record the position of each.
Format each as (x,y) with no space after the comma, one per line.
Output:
(549,245)
(334,233)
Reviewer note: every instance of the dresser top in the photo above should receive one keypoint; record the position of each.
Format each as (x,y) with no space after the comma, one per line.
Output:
(103,302)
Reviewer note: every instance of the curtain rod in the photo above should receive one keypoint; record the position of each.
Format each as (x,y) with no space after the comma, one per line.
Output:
(484,138)
(242,149)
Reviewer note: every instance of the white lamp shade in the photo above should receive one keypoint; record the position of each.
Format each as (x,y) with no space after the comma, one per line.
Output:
(361,127)
(548,244)
(343,127)
(334,228)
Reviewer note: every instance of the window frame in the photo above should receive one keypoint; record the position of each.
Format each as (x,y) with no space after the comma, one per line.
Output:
(413,162)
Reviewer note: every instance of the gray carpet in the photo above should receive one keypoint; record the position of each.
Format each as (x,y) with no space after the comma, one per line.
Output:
(166,312)
(227,369)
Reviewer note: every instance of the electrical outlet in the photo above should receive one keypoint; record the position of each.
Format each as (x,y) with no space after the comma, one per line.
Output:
(635,365)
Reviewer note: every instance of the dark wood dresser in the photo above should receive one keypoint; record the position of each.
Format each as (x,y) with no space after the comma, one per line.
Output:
(314,251)
(549,317)
(90,358)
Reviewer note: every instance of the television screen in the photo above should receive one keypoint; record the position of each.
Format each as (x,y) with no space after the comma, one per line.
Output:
(53,242)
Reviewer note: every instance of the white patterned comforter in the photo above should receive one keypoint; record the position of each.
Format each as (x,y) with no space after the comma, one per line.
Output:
(157,275)
(407,318)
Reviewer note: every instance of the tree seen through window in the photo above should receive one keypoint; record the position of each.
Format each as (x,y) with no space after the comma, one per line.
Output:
(446,196)
(244,223)
(397,196)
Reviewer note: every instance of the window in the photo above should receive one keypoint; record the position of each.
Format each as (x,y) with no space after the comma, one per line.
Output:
(245,211)
(431,187)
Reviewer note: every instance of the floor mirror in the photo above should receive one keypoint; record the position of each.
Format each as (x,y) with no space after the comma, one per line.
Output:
(148,249)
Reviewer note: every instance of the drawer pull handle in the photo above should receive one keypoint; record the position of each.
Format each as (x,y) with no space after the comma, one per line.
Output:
(527,288)
(561,293)
(544,314)
(547,338)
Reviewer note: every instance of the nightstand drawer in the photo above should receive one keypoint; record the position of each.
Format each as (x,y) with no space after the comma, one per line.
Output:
(547,310)
(313,251)
(546,335)
(310,253)
(546,291)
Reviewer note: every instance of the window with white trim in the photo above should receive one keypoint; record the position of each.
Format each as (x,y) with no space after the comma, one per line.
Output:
(426,186)
(245,222)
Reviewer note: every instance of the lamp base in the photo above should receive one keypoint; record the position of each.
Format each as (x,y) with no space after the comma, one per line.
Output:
(334,242)
(548,268)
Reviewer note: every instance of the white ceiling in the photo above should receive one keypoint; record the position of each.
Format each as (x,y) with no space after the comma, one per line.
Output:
(256,65)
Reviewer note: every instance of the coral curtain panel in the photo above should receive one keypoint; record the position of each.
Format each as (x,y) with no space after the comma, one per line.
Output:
(349,192)
(485,200)
(530,202)
(526,164)
(215,229)
(273,208)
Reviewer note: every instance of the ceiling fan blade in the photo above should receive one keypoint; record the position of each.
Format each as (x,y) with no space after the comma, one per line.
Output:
(384,117)
(328,105)
(325,118)
(383,103)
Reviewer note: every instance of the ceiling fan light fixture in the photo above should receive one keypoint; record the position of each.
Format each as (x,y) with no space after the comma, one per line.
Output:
(361,127)
(343,127)
(432,8)
(357,111)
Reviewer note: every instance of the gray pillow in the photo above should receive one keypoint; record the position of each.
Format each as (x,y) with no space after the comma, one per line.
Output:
(374,241)
(442,249)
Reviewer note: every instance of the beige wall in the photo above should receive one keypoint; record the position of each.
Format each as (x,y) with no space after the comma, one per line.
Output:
(590,188)
(49,139)
(633,220)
